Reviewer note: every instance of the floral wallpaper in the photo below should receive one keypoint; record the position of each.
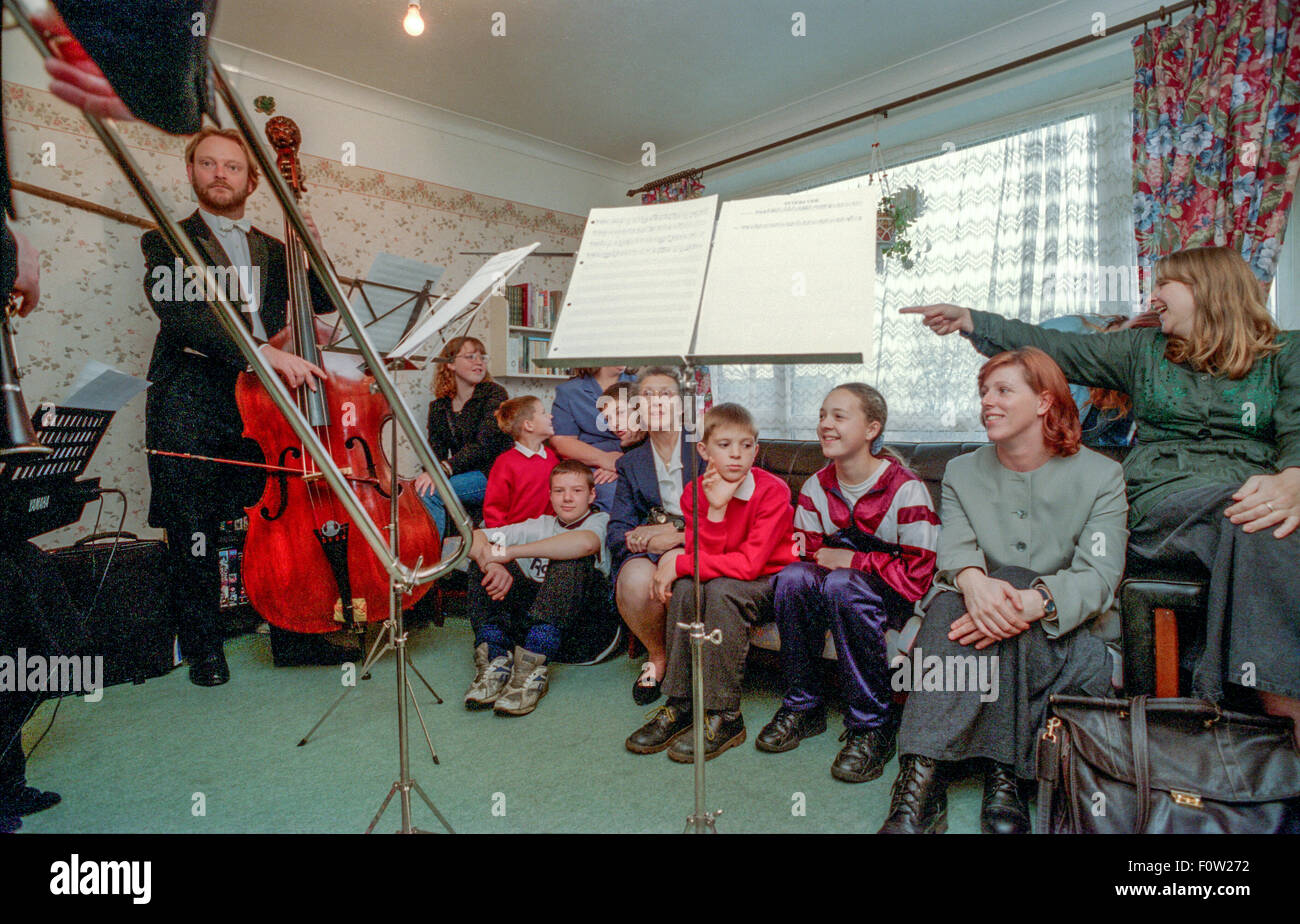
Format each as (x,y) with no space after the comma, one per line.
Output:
(93,304)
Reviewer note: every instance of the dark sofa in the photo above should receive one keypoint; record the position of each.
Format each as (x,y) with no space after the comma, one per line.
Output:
(1150,604)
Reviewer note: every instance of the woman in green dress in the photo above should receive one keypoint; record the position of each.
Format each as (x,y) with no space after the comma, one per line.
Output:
(1214,480)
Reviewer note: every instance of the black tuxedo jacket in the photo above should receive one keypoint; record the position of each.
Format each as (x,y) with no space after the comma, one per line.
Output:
(190,407)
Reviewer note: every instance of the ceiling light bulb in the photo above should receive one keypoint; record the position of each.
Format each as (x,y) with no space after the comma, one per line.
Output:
(414,22)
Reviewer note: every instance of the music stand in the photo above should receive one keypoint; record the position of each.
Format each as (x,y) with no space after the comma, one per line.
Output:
(770,260)
(34,485)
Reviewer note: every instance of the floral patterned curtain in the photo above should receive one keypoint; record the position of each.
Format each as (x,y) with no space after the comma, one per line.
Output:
(1214,144)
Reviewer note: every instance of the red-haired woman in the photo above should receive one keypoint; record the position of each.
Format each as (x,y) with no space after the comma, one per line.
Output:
(463,434)
(1030,555)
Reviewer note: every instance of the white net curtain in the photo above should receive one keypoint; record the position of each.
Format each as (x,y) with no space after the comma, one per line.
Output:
(1033,224)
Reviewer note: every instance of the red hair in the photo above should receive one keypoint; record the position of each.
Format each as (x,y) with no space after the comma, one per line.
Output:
(1061,429)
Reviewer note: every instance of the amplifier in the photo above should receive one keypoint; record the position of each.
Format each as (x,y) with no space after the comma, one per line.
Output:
(117,583)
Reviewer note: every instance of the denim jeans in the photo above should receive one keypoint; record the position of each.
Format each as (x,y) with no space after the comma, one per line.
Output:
(470,487)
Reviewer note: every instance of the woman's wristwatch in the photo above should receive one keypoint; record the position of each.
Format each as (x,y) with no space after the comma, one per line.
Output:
(1049,604)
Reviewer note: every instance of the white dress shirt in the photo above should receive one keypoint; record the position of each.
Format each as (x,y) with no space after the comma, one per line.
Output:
(669,475)
(234,240)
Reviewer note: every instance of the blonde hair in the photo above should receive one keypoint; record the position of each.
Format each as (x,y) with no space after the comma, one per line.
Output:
(444,380)
(512,414)
(1231,328)
(231,134)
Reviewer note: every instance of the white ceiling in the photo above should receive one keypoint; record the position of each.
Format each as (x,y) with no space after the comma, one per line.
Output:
(696,77)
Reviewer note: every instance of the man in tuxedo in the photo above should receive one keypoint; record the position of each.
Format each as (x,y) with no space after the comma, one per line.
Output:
(190,406)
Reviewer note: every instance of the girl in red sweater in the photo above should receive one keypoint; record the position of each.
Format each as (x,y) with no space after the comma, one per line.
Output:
(745,539)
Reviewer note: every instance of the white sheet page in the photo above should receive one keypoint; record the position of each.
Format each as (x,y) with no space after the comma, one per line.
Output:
(791,277)
(636,284)
(495,271)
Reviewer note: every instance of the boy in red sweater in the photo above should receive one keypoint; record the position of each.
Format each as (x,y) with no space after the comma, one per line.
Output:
(519,485)
(746,537)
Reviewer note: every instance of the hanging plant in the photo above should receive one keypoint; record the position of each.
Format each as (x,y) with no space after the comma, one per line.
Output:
(897,212)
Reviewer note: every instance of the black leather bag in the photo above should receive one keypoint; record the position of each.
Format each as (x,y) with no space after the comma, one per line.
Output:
(1167,766)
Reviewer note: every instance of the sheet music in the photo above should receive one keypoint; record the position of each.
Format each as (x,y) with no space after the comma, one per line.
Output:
(100,387)
(636,284)
(492,273)
(791,276)
(392,270)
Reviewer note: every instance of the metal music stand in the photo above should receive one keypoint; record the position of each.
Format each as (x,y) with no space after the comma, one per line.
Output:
(396,631)
(741,260)
(393,637)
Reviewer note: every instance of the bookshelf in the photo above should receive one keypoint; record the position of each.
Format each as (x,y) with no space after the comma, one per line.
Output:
(510,343)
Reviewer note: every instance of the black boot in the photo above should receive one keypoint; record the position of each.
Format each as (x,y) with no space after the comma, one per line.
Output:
(722,730)
(919,802)
(1004,810)
(788,728)
(865,753)
(667,723)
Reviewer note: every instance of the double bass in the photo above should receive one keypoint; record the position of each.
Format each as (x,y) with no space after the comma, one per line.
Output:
(304,571)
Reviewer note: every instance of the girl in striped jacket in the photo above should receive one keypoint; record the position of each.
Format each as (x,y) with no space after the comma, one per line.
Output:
(867,532)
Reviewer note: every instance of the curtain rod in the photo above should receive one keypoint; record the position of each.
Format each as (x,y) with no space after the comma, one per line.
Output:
(127,218)
(1165,12)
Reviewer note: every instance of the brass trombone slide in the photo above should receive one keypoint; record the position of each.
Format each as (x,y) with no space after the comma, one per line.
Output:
(228,315)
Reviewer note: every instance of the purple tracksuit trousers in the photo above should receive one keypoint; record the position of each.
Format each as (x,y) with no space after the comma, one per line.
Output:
(855,607)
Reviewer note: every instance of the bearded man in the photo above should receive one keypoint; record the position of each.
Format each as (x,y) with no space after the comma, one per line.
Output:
(191,406)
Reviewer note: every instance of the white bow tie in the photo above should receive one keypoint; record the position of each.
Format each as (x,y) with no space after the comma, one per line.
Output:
(226,225)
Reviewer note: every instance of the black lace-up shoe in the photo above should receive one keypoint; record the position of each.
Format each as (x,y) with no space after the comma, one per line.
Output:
(722,730)
(27,800)
(865,753)
(919,802)
(1004,810)
(667,723)
(788,728)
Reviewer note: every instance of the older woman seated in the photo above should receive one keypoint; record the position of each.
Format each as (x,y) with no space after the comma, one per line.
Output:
(1031,551)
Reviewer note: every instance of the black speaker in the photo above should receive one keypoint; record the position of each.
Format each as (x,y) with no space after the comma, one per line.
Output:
(118,588)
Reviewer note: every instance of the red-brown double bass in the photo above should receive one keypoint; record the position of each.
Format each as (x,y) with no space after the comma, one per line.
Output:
(304,570)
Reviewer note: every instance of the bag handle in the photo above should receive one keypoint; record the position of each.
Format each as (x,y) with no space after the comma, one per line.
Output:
(99,537)
(1048,770)
(1141,762)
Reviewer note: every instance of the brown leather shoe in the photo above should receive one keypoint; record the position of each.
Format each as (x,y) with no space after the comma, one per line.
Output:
(722,730)
(667,723)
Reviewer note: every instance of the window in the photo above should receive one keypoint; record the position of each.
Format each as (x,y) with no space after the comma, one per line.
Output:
(1033,224)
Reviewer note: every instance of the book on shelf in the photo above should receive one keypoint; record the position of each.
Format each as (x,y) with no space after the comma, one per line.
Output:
(537,348)
(520,300)
(515,307)
(557,299)
(514,354)
(542,311)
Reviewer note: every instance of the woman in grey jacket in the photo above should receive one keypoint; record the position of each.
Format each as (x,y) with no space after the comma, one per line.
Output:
(1032,549)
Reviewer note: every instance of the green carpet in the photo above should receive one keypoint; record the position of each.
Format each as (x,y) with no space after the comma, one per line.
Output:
(167,756)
